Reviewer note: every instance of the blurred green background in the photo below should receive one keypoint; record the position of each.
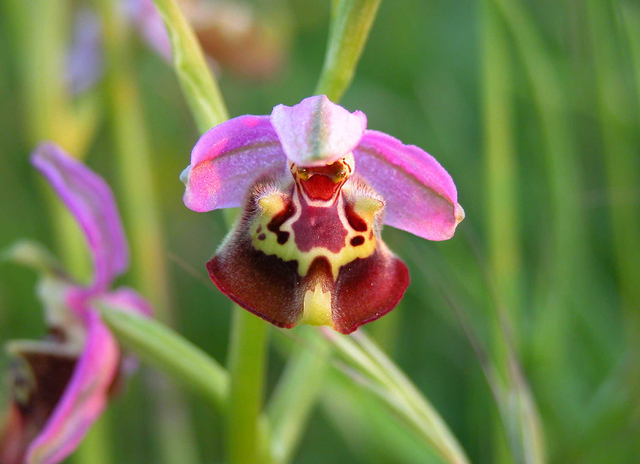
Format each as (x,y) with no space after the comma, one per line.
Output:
(532,107)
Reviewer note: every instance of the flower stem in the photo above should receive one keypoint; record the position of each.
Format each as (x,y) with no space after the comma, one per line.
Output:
(350,26)
(198,84)
(247,361)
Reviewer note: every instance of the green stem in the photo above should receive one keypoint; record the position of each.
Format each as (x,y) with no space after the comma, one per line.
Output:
(621,166)
(143,216)
(500,162)
(247,361)
(198,84)
(350,26)
(565,268)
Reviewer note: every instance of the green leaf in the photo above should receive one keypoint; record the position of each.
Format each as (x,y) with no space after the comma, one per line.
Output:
(379,374)
(171,353)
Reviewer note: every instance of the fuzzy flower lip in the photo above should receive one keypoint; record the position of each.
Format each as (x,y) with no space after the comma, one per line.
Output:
(81,359)
(420,195)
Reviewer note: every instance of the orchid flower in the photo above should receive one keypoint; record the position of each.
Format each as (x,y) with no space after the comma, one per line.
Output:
(60,385)
(315,188)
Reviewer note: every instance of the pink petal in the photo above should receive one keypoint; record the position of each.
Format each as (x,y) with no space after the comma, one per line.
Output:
(316,132)
(128,300)
(83,400)
(420,195)
(91,201)
(227,159)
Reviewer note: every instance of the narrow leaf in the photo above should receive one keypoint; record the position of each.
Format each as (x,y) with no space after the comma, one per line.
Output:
(170,352)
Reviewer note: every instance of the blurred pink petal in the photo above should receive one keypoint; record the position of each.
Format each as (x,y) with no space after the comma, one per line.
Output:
(83,400)
(316,132)
(420,195)
(227,159)
(128,300)
(91,201)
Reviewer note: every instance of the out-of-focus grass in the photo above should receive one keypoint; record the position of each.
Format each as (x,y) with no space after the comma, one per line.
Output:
(574,182)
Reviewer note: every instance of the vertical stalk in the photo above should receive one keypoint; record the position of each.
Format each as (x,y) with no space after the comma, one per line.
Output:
(143,216)
(350,26)
(296,394)
(500,161)
(564,271)
(621,162)
(247,361)
(502,226)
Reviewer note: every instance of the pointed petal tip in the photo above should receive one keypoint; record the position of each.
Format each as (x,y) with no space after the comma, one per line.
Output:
(420,194)
(459,214)
(184,175)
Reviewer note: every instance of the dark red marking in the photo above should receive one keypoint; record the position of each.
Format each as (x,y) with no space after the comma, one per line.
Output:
(319,227)
(357,241)
(262,237)
(279,219)
(259,229)
(356,222)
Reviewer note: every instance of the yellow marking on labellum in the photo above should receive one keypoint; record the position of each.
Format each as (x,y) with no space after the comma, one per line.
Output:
(272,204)
(317,307)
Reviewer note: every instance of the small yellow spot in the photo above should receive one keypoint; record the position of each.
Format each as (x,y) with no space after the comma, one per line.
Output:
(317,307)
(366,207)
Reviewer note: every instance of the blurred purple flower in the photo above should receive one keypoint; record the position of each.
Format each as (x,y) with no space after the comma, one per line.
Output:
(61,384)
(229,32)
(313,184)
(85,55)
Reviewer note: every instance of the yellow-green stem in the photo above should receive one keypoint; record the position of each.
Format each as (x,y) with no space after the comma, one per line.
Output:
(621,162)
(504,250)
(350,27)
(247,361)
